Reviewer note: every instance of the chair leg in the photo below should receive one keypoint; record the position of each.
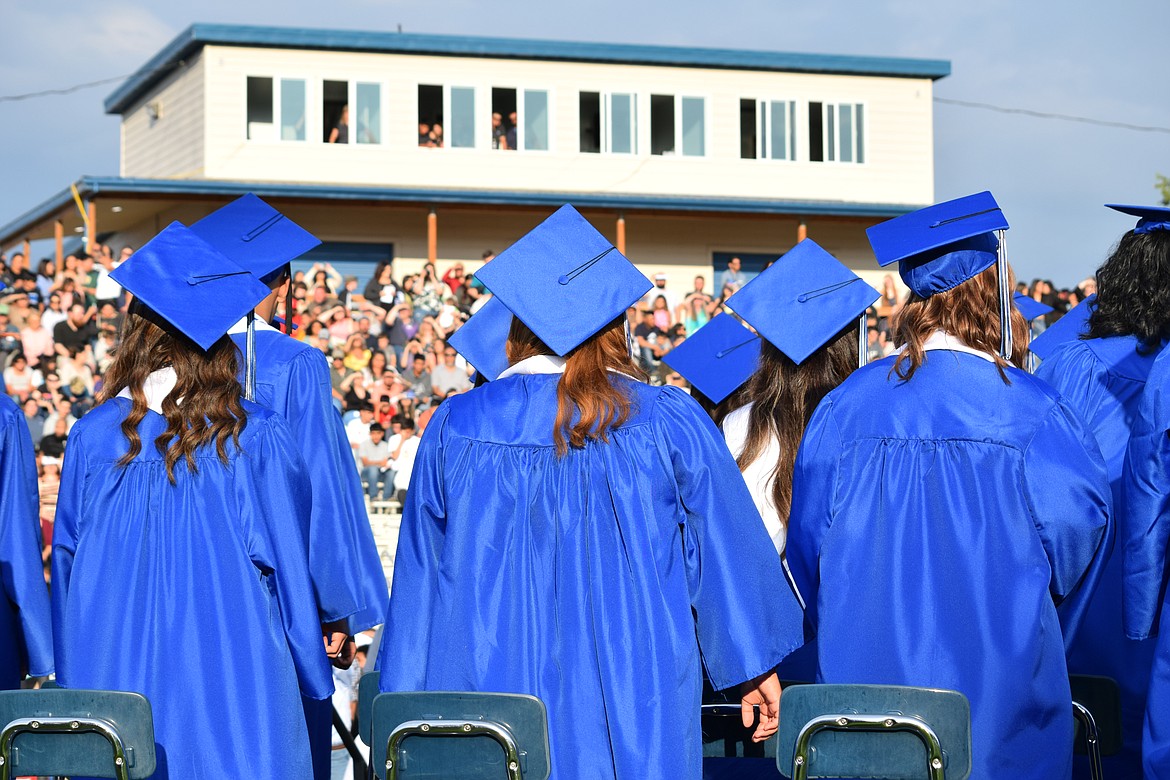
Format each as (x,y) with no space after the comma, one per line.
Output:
(1092,738)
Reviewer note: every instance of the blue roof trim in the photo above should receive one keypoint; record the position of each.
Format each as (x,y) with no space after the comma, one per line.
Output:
(113,185)
(191,40)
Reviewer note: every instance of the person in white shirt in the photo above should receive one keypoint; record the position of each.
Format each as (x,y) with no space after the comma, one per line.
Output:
(357,430)
(376,466)
(402,458)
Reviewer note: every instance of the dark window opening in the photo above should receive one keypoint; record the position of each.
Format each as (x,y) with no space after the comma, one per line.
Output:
(747,129)
(591,122)
(816,133)
(430,115)
(334,102)
(662,124)
(504,118)
(259,104)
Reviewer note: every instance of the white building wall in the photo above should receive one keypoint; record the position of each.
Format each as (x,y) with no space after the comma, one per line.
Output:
(171,145)
(899,139)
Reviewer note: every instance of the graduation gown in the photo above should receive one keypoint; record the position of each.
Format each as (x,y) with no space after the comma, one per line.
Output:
(196,595)
(1102,380)
(934,522)
(1146,504)
(574,578)
(292,379)
(26,639)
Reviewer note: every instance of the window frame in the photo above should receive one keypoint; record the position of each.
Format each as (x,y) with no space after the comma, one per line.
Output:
(476,125)
(353,85)
(278,106)
(677,99)
(521,133)
(831,131)
(607,125)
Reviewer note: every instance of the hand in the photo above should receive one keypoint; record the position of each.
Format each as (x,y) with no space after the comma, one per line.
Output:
(345,657)
(334,634)
(764,691)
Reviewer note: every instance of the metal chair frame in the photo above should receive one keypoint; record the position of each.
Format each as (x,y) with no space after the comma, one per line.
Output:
(887,723)
(451,728)
(1092,738)
(62,726)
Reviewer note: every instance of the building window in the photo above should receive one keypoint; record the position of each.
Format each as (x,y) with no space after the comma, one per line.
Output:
(368,98)
(462,102)
(430,115)
(677,123)
(259,121)
(335,112)
(767,129)
(836,132)
(590,122)
(446,116)
(504,119)
(535,127)
(292,109)
(623,123)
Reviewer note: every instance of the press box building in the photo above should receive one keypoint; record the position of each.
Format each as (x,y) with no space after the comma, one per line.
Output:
(683,157)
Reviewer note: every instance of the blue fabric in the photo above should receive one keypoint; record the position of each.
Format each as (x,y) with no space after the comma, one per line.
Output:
(1102,380)
(196,595)
(934,522)
(574,579)
(1151,218)
(26,639)
(929,232)
(292,379)
(1146,503)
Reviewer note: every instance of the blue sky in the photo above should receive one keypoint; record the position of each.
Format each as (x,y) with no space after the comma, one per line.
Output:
(1100,60)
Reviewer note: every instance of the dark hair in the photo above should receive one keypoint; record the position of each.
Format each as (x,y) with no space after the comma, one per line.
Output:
(206,382)
(377,428)
(784,396)
(589,402)
(1133,291)
(969,312)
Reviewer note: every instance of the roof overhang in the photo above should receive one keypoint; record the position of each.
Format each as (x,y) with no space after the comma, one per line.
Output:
(38,222)
(189,42)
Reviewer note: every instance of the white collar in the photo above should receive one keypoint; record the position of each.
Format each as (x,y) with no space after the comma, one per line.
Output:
(537,364)
(156,387)
(241,326)
(940,339)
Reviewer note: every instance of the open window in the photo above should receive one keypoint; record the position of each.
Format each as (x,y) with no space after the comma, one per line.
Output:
(260,114)
(504,119)
(430,114)
(767,129)
(335,112)
(590,122)
(836,132)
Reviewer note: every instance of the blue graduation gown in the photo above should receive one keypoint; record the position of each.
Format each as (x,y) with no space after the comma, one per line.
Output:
(292,379)
(1146,503)
(26,639)
(574,579)
(1102,380)
(933,523)
(196,595)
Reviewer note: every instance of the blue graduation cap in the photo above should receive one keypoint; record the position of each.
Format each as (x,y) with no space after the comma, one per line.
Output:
(718,357)
(941,246)
(1150,218)
(564,280)
(1030,307)
(190,284)
(255,235)
(1068,328)
(802,300)
(483,339)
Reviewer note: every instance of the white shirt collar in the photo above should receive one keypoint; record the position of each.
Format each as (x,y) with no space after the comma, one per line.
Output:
(940,339)
(537,364)
(156,387)
(241,326)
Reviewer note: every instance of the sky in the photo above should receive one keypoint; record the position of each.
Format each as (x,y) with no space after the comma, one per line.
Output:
(1104,61)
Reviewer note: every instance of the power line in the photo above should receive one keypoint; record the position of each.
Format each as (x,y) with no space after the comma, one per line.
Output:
(1050,115)
(86,85)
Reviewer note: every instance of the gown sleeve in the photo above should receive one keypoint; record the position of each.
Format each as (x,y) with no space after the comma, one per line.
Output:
(22,573)
(1145,498)
(402,658)
(333,549)
(746,616)
(74,471)
(1066,489)
(814,486)
(273,497)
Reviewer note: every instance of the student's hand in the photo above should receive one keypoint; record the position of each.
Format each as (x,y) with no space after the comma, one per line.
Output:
(345,657)
(335,634)
(765,692)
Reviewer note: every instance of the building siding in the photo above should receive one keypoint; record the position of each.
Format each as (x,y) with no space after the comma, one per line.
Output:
(171,146)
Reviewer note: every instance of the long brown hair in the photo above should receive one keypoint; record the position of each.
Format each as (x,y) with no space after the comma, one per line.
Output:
(586,388)
(784,396)
(206,383)
(970,313)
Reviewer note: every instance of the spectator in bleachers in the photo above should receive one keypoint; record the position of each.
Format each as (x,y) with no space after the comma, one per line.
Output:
(661,310)
(20,379)
(62,411)
(448,377)
(378,365)
(382,290)
(695,313)
(34,418)
(55,312)
(53,444)
(419,379)
(357,354)
(650,340)
(400,328)
(374,454)
(76,332)
(454,277)
(357,430)
(36,340)
(106,290)
(733,277)
(403,450)
(355,394)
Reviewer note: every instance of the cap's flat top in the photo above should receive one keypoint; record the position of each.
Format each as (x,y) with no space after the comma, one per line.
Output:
(718,357)
(935,226)
(483,339)
(1030,307)
(254,235)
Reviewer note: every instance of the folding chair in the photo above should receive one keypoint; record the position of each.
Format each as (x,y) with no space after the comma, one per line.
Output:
(460,736)
(56,731)
(874,731)
(1097,713)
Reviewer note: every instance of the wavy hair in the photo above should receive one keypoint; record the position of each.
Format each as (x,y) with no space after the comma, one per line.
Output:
(969,312)
(589,402)
(1133,291)
(784,396)
(211,410)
